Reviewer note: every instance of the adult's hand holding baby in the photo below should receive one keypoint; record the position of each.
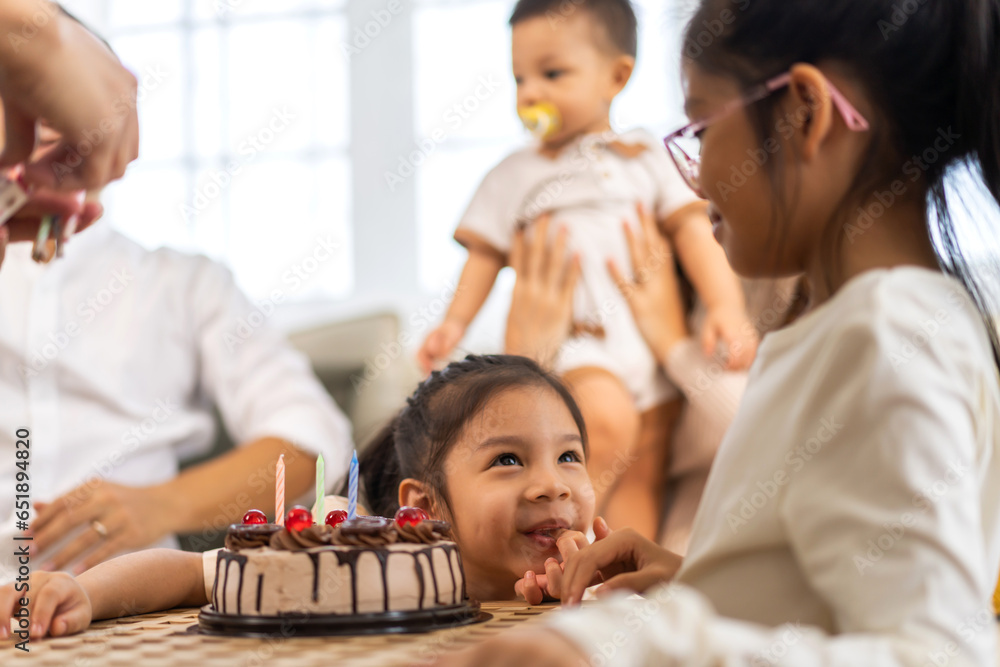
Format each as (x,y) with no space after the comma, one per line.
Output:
(652,292)
(541,307)
(66,76)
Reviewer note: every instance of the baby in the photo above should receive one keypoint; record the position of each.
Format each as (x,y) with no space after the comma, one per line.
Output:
(569,65)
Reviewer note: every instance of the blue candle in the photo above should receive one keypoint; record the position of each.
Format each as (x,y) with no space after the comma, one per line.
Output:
(352,490)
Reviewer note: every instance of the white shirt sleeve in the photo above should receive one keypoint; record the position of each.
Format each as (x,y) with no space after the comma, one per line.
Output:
(885,522)
(490,219)
(261,385)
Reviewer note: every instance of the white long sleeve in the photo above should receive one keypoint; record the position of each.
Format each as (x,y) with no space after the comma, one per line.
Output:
(853,514)
(260,384)
(114,358)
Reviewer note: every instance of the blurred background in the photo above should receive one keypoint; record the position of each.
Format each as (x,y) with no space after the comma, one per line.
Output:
(324,150)
(268,124)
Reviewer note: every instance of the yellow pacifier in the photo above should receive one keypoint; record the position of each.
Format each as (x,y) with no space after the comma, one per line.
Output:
(542,119)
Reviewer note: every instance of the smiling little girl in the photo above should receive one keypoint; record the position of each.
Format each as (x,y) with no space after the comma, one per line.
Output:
(492,444)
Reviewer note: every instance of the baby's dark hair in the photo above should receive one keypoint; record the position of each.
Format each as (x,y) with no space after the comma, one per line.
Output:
(931,69)
(416,443)
(615,17)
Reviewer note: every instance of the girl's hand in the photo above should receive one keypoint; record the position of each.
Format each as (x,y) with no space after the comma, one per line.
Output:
(732,326)
(57,606)
(625,560)
(534,647)
(541,305)
(653,294)
(535,588)
(439,344)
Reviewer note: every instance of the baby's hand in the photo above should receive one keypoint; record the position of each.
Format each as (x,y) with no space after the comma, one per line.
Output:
(535,588)
(56,605)
(732,326)
(439,344)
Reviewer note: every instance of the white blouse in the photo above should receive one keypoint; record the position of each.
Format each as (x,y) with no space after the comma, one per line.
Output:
(115,358)
(852,516)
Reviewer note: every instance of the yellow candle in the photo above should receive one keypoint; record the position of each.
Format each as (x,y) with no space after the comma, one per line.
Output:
(996,600)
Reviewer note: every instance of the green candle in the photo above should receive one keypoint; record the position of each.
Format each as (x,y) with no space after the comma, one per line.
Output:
(320,489)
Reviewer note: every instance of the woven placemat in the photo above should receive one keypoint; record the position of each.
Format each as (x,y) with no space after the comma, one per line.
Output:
(163,639)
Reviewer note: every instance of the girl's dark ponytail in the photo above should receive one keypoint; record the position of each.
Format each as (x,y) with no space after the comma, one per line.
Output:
(380,472)
(979,86)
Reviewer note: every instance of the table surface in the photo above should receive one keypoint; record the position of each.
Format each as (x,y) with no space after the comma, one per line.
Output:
(164,639)
(152,640)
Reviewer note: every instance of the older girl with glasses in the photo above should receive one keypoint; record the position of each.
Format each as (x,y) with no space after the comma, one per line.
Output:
(852,516)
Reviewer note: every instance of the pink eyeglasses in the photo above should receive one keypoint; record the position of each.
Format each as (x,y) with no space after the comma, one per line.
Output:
(685,146)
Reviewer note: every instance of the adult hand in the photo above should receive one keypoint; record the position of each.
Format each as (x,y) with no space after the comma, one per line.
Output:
(541,308)
(115,518)
(625,560)
(653,293)
(23,225)
(65,75)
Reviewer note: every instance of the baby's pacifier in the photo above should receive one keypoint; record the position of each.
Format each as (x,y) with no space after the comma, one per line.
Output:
(542,119)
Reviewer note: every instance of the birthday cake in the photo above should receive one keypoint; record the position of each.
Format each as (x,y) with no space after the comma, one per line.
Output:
(379,571)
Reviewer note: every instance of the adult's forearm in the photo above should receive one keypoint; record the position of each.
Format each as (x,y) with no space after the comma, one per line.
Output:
(224,488)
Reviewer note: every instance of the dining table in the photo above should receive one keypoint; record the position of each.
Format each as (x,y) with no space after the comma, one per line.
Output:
(170,638)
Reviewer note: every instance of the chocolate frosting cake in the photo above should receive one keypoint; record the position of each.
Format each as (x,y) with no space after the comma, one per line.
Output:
(367,565)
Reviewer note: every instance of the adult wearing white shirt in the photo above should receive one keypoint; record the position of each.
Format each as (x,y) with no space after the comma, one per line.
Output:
(113,358)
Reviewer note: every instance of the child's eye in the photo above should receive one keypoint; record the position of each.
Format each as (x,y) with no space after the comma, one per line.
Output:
(570,457)
(553,74)
(506,459)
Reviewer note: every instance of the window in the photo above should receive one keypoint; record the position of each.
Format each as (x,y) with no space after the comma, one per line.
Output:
(244,135)
(270,127)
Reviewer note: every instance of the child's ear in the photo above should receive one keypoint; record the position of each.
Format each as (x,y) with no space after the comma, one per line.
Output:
(813,107)
(414,493)
(621,71)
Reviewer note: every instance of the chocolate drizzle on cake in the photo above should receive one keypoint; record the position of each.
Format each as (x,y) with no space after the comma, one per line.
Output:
(225,559)
(314,556)
(348,543)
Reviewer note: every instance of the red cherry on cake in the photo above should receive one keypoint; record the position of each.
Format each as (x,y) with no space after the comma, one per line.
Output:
(336,517)
(299,518)
(410,516)
(254,517)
